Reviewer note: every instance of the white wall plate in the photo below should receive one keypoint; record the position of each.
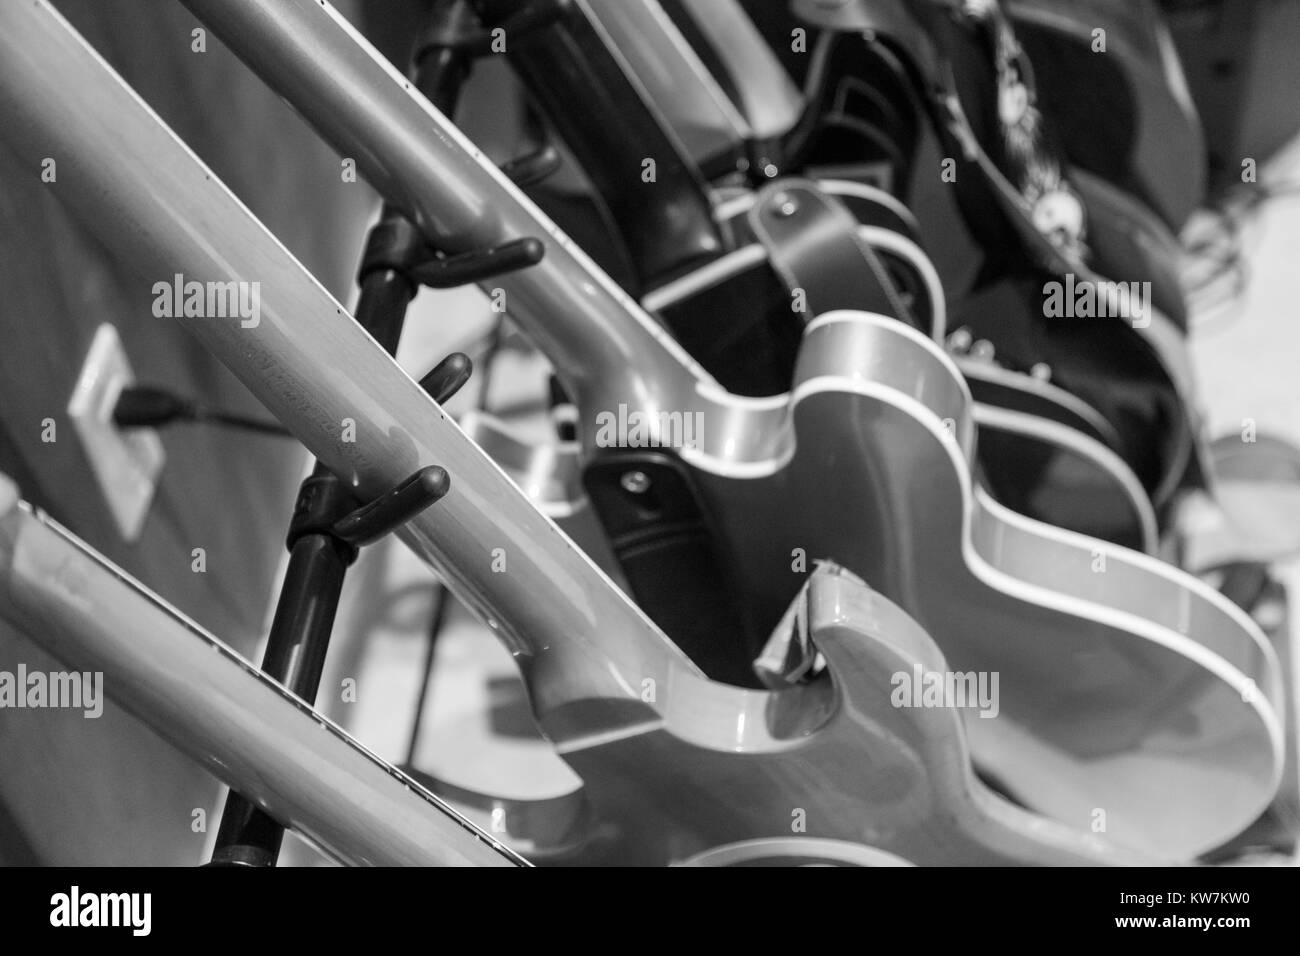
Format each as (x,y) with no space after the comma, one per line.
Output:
(126,463)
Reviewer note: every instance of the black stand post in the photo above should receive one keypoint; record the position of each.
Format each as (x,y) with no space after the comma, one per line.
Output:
(326,530)
(329,525)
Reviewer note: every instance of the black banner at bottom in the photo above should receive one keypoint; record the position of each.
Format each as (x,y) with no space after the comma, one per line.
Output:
(326,904)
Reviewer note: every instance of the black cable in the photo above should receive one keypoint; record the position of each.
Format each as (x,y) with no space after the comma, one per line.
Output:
(441,595)
(217,417)
(150,406)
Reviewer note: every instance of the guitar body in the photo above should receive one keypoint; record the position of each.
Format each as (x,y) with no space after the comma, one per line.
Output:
(1034,217)
(1137,125)
(830,760)
(695,772)
(1081,479)
(1048,454)
(1126,685)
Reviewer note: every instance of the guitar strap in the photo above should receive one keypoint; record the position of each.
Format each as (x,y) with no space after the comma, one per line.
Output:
(815,248)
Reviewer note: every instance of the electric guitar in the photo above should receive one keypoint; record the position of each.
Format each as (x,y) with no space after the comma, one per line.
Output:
(1047,453)
(1104,653)
(1128,690)
(1038,459)
(829,771)
(1035,219)
(724,501)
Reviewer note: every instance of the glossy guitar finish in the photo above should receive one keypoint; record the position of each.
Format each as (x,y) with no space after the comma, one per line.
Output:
(216,707)
(1168,451)
(1044,470)
(1096,675)
(1132,684)
(1079,482)
(700,768)
(852,766)
(1126,685)
(659,746)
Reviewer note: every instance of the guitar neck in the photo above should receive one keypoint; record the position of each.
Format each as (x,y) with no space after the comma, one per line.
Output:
(418,160)
(669,59)
(573,72)
(768,99)
(199,694)
(148,197)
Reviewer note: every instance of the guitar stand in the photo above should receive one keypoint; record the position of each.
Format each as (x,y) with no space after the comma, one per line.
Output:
(329,525)
(325,536)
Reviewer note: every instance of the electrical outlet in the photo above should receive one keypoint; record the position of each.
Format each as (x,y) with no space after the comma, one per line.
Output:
(126,463)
